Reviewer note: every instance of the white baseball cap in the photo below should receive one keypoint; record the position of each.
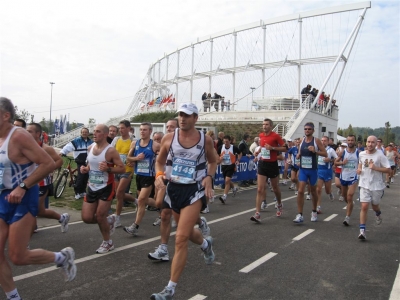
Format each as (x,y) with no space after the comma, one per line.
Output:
(343,145)
(188,108)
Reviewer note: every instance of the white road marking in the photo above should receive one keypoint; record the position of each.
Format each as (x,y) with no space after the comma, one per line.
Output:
(258,262)
(330,217)
(395,294)
(198,297)
(305,233)
(345,207)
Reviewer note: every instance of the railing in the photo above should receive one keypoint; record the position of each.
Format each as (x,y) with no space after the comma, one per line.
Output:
(277,103)
(280,129)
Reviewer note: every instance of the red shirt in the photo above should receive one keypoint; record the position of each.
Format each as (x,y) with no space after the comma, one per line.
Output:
(274,140)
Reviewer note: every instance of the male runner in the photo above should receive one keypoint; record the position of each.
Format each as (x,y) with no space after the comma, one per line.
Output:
(184,154)
(372,163)
(270,144)
(112,133)
(325,172)
(348,177)
(23,163)
(310,147)
(294,163)
(229,157)
(142,154)
(103,162)
(35,130)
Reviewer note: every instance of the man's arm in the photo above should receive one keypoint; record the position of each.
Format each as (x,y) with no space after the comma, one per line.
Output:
(53,154)
(321,149)
(112,155)
(67,149)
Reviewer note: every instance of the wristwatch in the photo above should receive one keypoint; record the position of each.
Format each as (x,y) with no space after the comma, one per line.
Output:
(22,185)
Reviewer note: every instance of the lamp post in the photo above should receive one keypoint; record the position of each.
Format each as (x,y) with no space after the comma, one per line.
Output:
(51,102)
(252,90)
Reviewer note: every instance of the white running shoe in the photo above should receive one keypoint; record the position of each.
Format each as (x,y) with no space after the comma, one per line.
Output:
(212,199)
(222,199)
(77,196)
(296,192)
(308,197)
(331,197)
(68,264)
(208,252)
(378,220)
(391,180)
(206,210)
(314,216)
(362,235)
(234,191)
(105,247)
(346,221)
(341,198)
(264,205)
(319,211)
(205,230)
(161,254)
(117,221)
(132,230)
(299,219)
(64,223)
(157,222)
(173,223)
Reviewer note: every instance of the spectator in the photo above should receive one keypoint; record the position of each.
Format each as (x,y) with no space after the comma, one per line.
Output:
(305,92)
(206,102)
(204,96)
(20,123)
(244,149)
(332,144)
(228,105)
(220,141)
(255,144)
(222,104)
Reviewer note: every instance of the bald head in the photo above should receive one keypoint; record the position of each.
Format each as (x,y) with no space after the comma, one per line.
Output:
(371,144)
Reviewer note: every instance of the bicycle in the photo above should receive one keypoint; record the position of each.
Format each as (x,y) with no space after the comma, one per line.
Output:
(62,180)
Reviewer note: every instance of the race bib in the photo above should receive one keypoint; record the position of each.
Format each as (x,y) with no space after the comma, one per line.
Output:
(265,154)
(226,159)
(123,158)
(143,166)
(350,165)
(96,177)
(321,160)
(306,162)
(1,178)
(183,170)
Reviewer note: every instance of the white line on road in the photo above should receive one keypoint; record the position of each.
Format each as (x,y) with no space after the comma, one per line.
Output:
(395,294)
(198,297)
(330,217)
(305,233)
(258,262)
(345,207)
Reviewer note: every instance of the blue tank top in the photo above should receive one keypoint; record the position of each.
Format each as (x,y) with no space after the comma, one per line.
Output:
(144,167)
(308,159)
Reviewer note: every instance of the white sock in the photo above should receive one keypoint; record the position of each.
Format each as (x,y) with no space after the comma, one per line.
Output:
(164,246)
(224,195)
(109,242)
(13,295)
(61,219)
(59,258)
(172,286)
(204,245)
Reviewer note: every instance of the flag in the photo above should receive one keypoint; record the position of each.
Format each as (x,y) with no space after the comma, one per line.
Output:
(65,123)
(61,129)
(56,128)
(158,100)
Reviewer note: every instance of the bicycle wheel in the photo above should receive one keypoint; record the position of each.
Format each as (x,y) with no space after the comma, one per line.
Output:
(56,173)
(60,185)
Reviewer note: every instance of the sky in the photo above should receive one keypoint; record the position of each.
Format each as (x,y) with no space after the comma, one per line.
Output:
(98,52)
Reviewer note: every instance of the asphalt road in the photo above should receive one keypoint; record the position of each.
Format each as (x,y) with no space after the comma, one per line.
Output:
(276,259)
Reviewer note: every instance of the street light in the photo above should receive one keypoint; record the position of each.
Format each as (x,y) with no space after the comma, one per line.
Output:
(51,102)
(252,90)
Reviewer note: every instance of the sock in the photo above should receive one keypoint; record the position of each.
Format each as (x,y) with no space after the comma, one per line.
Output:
(204,245)
(362,226)
(314,211)
(109,242)
(136,225)
(59,258)
(172,285)
(117,217)
(300,214)
(164,246)
(61,219)
(13,295)
(378,213)
(224,195)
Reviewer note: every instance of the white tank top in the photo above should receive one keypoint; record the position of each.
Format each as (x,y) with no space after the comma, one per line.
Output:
(349,171)
(12,174)
(98,179)
(186,165)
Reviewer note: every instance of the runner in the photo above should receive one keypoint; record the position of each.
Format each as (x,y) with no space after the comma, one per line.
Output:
(309,148)
(270,144)
(122,181)
(372,165)
(391,156)
(325,172)
(348,177)
(338,171)
(184,154)
(294,163)
(229,157)
(112,133)
(46,185)
(19,196)
(142,154)
(103,162)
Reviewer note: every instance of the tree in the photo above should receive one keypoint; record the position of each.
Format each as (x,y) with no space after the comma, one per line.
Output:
(387,133)
(350,130)
(44,125)
(23,114)
(340,131)
(92,121)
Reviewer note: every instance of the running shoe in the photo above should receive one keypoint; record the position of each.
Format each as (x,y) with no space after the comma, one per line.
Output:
(36,230)
(391,180)
(105,247)
(111,220)
(205,230)
(64,223)
(161,254)
(264,205)
(234,191)
(208,252)
(166,294)
(279,210)
(314,216)
(387,185)
(341,198)
(284,182)
(378,220)
(117,221)
(338,192)
(77,196)
(362,235)
(299,219)
(206,210)
(331,197)
(157,222)
(256,218)
(319,211)
(68,264)
(132,230)
(296,192)
(173,223)
(211,200)
(346,221)
(308,197)
(222,199)
(292,186)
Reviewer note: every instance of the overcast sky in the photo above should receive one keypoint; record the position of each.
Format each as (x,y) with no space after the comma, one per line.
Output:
(98,52)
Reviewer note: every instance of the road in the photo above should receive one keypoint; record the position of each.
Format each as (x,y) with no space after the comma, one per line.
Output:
(276,259)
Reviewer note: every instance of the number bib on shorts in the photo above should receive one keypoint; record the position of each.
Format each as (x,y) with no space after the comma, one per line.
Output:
(226,159)
(265,153)
(96,177)
(143,166)
(306,162)
(182,170)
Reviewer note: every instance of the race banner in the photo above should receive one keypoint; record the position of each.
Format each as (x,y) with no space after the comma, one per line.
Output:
(246,170)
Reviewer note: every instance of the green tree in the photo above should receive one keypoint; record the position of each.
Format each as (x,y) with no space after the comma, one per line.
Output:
(350,130)
(44,124)
(339,131)
(387,133)
(22,114)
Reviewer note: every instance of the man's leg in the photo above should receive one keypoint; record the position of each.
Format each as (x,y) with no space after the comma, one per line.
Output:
(261,191)
(6,278)
(101,215)
(349,197)
(277,190)
(142,202)
(46,213)
(81,181)
(300,196)
(165,226)
(121,186)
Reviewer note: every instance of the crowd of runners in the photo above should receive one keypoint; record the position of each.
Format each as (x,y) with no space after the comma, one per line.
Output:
(175,173)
